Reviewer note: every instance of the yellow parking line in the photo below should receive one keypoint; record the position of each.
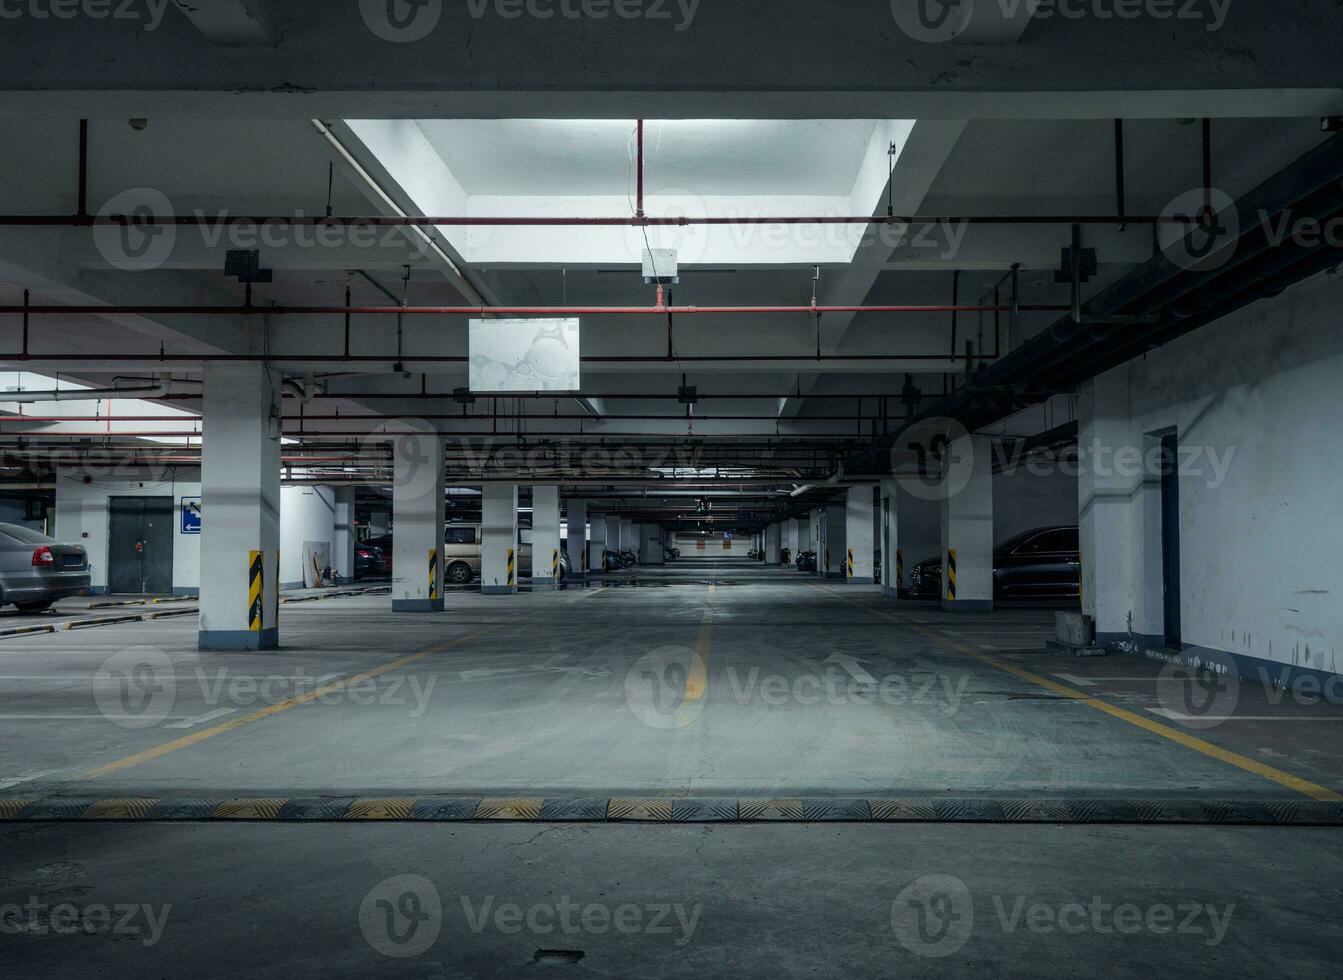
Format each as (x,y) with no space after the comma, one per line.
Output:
(187,741)
(697,678)
(1296,783)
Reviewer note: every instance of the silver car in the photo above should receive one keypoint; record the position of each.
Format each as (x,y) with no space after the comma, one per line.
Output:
(36,570)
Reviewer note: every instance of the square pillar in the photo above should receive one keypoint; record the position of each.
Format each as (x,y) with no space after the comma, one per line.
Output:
(417,517)
(651,551)
(576,541)
(545,537)
(836,540)
(342,547)
(773,544)
(892,556)
(1118,510)
(499,539)
(967,525)
(629,537)
(240,490)
(597,543)
(614,530)
(859,534)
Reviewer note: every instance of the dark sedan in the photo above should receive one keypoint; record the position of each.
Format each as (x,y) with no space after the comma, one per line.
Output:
(1042,563)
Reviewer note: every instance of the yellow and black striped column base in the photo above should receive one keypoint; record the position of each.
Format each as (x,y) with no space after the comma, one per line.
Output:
(509,585)
(432,600)
(445,809)
(257,635)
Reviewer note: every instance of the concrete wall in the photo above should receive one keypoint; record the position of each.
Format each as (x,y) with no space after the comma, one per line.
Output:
(82,518)
(1255,402)
(307,517)
(737,548)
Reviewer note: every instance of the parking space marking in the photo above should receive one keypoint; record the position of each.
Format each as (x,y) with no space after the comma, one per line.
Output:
(194,738)
(1295,783)
(202,719)
(1074,679)
(1180,716)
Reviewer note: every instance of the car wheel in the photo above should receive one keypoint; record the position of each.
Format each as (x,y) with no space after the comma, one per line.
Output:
(37,605)
(459,574)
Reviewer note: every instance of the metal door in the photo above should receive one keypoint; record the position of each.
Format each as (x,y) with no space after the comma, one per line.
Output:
(140,545)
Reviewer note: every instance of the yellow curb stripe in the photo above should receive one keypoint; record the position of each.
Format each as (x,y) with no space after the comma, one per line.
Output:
(1245,763)
(187,741)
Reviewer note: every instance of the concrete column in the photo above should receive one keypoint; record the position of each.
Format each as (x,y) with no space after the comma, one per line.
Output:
(577,539)
(892,556)
(597,544)
(792,537)
(818,539)
(836,540)
(650,549)
(545,537)
(773,544)
(629,537)
(615,542)
(418,517)
(1118,511)
(967,525)
(858,535)
(240,490)
(342,548)
(307,535)
(499,540)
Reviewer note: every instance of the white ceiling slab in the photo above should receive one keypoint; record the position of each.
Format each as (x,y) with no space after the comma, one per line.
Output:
(714,157)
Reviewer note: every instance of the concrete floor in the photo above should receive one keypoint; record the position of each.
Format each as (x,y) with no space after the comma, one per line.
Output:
(679,682)
(675,901)
(722,681)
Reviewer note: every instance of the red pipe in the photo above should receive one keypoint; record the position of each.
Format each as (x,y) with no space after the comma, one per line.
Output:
(639,208)
(520,311)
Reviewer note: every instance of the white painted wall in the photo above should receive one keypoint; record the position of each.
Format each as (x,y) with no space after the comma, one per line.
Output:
(82,518)
(714,546)
(307,514)
(1261,538)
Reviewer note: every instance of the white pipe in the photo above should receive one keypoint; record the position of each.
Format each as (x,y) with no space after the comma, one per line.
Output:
(455,274)
(156,390)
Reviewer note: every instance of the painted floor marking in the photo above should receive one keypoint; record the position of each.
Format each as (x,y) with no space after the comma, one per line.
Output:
(202,719)
(186,741)
(1296,783)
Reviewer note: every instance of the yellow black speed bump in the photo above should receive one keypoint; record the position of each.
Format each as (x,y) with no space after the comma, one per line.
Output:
(1206,812)
(951,574)
(85,624)
(256,578)
(433,574)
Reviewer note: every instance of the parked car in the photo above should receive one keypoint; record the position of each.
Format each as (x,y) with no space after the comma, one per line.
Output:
(670,554)
(383,544)
(369,562)
(1042,563)
(36,570)
(806,562)
(461,555)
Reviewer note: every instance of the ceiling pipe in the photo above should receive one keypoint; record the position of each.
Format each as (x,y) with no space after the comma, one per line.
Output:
(402,220)
(156,390)
(518,311)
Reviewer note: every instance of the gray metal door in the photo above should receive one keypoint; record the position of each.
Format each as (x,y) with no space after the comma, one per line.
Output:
(140,545)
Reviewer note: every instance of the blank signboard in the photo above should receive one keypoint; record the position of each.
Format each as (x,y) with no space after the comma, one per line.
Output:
(525,355)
